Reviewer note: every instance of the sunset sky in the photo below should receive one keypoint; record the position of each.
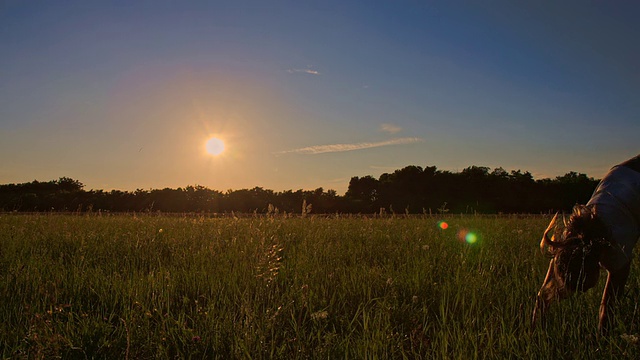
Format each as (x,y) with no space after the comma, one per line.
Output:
(305,94)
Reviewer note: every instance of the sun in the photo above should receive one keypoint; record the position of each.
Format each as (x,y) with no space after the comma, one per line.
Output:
(215,146)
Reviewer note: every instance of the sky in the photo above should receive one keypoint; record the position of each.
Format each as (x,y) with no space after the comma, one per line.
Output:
(306,94)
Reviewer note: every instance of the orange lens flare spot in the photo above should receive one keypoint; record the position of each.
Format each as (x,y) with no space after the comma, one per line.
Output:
(443,225)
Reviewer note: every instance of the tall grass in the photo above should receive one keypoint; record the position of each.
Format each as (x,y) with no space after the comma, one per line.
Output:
(191,287)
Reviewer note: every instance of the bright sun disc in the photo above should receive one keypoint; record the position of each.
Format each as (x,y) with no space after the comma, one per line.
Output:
(215,146)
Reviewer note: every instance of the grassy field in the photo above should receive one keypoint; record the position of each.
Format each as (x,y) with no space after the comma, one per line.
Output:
(149,286)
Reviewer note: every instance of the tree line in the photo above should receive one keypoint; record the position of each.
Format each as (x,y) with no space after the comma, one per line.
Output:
(476,189)
(409,190)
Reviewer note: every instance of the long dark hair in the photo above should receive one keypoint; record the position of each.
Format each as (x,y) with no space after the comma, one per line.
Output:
(578,247)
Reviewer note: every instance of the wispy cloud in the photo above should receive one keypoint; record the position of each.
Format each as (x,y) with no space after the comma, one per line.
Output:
(320,149)
(390,128)
(305,71)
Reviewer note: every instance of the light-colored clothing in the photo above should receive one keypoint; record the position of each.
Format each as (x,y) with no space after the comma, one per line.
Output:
(617,203)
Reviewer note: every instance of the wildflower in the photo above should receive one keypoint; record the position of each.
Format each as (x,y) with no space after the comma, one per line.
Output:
(319,315)
(631,339)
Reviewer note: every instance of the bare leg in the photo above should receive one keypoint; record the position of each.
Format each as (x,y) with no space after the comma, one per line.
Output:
(544,297)
(612,292)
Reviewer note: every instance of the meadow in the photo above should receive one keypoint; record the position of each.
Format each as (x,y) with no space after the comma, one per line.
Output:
(157,286)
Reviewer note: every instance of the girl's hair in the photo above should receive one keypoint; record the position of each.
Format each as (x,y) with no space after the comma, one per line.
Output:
(580,247)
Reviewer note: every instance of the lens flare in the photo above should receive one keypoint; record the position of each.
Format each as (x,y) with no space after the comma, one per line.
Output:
(443,225)
(467,236)
(471,238)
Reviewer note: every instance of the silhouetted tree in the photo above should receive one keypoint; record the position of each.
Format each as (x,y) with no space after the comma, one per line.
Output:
(363,193)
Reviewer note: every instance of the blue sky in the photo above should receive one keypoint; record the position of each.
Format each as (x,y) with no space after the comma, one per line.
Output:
(305,94)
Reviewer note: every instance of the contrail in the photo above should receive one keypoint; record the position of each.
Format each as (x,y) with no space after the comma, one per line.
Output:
(320,149)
